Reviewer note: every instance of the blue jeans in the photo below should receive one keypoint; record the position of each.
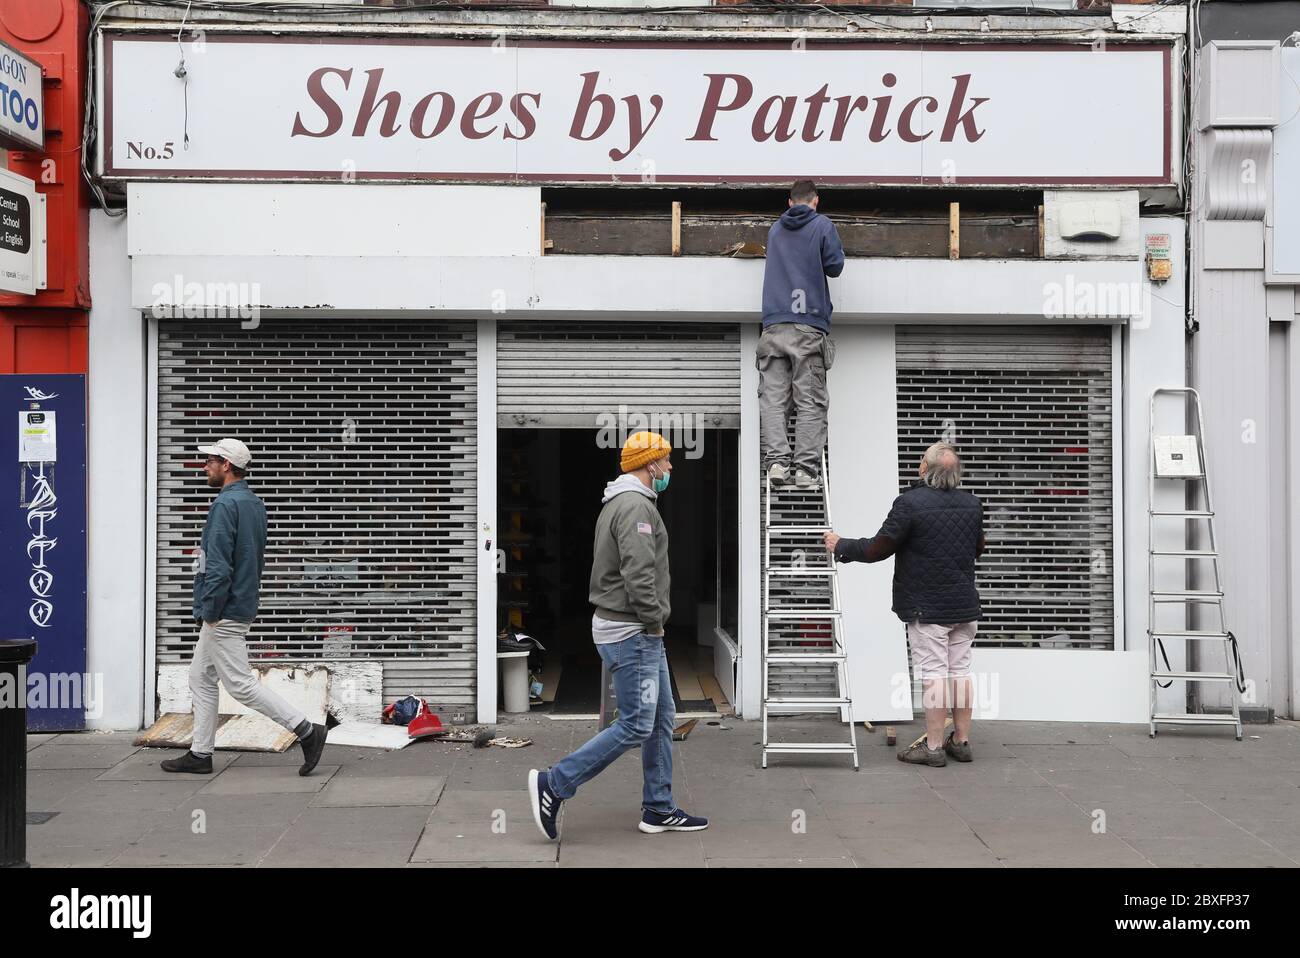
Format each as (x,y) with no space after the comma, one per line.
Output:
(646,716)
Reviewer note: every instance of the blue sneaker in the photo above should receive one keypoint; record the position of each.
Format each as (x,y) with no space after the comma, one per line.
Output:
(652,823)
(546,804)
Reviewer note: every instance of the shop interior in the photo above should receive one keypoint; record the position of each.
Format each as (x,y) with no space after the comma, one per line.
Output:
(550,483)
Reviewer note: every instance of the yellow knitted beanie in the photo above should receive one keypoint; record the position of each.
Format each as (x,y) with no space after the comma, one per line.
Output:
(643,447)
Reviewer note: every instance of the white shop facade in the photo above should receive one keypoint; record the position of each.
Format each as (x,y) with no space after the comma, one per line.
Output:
(333,249)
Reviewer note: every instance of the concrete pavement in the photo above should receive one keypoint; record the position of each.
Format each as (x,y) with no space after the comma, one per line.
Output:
(1037,795)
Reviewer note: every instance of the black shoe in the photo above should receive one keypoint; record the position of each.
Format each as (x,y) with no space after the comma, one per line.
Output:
(312,746)
(190,763)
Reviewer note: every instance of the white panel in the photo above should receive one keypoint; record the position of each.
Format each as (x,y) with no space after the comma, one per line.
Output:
(1284,197)
(1280,530)
(1239,83)
(659,288)
(1060,685)
(1292,704)
(862,489)
(1230,364)
(1155,356)
(1232,244)
(115,611)
(333,219)
(1281,304)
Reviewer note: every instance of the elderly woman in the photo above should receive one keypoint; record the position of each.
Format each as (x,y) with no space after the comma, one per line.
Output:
(936,531)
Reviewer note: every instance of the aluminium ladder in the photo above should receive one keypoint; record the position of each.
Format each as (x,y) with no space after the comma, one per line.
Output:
(1182,458)
(802,594)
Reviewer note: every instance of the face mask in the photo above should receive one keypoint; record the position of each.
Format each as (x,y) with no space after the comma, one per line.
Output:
(660,482)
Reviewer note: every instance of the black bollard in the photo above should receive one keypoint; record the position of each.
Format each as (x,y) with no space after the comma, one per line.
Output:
(14,655)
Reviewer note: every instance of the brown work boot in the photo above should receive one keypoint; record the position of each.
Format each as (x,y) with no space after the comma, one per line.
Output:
(922,754)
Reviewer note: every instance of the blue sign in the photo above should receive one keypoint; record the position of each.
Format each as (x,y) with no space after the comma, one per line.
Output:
(43,547)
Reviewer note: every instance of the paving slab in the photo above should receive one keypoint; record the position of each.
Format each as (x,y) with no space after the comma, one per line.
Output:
(49,788)
(728,839)
(475,805)
(1002,771)
(780,863)
(221,843)
(361,791)
(1190,820)
(145,766)
(315,854)
(264,809)
(1085,756)
(160,796)
(856,820)
(773,805)
(359,824)
(1080,847)
(79,756)
(919,850)
(605,837)
(268,779)
(1212,853)
(547,864)
(476,841)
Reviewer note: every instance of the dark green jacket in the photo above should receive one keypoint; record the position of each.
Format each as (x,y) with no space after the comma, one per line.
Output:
(232,556)
(630,581)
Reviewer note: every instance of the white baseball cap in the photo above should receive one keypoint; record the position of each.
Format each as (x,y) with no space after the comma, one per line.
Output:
(229,449)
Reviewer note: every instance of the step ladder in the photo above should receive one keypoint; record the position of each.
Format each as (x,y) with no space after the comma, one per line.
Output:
(1182,459)
(801,590)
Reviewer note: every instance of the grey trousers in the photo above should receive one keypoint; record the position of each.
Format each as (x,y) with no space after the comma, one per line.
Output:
(223,654)
(792,360)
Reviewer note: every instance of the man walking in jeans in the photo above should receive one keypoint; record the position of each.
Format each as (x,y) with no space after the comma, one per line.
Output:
(630,586)
(795,349)
(232,556)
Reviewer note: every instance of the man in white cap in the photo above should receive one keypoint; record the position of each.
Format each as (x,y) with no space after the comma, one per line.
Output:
(232,555)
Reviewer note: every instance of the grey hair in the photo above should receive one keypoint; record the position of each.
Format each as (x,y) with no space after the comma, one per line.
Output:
(941,474)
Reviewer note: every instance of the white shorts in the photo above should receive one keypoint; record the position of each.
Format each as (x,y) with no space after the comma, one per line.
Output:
(940,651)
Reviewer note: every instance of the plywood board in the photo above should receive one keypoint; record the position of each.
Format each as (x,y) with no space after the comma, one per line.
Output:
(355,689)
(370,735)
(304,687)
(237,733)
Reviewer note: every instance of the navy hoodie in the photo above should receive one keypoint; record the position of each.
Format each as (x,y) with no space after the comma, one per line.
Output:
(802,250)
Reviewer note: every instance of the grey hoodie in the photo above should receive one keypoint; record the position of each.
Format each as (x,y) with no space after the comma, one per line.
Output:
(630,581)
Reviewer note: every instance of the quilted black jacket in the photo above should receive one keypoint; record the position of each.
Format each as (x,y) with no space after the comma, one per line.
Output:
(935,536)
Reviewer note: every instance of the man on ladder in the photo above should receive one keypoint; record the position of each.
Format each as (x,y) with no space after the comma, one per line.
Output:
(795,349)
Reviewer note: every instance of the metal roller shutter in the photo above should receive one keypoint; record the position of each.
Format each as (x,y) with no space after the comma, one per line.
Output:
(569,375)
(1029,410)
(363,437)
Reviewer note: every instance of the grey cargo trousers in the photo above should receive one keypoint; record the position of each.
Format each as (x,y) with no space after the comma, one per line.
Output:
(792,360)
